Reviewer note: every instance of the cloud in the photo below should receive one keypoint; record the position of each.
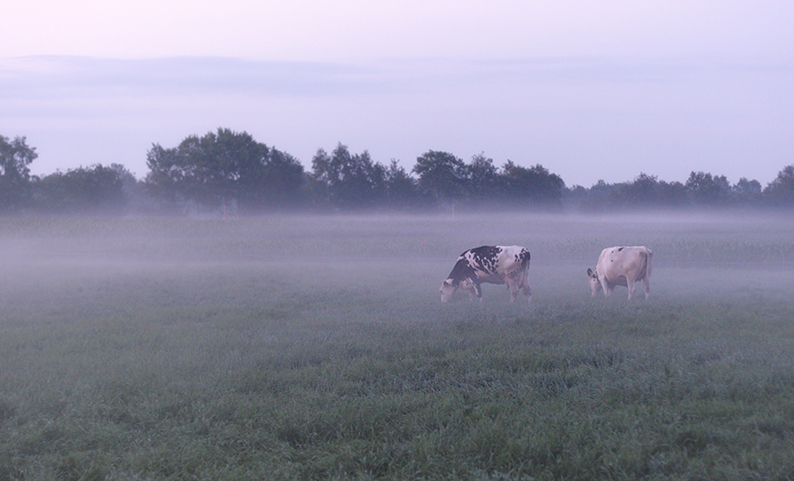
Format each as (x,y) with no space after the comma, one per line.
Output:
(584,117)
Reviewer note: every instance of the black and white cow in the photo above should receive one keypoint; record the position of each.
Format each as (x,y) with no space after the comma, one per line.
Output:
(621,266)
(489,264)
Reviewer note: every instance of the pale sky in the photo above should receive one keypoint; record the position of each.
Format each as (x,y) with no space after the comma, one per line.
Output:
(589,89)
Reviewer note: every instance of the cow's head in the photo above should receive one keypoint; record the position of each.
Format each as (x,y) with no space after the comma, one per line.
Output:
(592,279)
(448,288)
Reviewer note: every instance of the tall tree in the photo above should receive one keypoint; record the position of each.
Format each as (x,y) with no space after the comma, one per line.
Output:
(707,190)
(484,179)
(642,192)
(15,159)
(349,181)
(223,168)
(400,187)
(532,187)
(167,176)
(747,193)
(673,195)
(85,190)
(278,184)
(780,192)
(138,199)
(442,176)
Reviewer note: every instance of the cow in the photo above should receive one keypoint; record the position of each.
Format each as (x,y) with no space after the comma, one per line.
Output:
(489,264)
(621,266)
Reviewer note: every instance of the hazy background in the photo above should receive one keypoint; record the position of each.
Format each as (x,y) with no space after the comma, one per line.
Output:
(591,90)
(376,268)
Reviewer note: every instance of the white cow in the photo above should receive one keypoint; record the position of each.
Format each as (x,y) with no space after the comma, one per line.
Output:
(621,266)
(489,264)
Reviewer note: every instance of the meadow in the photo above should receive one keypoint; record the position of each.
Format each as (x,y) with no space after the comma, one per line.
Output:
(315,347)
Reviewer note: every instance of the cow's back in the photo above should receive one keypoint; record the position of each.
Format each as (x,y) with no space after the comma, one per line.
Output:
(627,261)
(514,258)
(493,263)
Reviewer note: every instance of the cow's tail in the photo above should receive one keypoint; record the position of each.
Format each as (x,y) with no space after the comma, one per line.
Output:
(525,257)
(648,263)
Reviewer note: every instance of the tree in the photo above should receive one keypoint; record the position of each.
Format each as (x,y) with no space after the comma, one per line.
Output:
(534,186)
(279,182)
(401,189)
(747,193)
(484,179)
(642,192)
(707,190)
(647,192)
(442,176)
(135,192)
(673,195)
(597,197)
(575,197)
(349,181)
(218,166)
(93,190)
(780,192)
(15,159)
(223,169)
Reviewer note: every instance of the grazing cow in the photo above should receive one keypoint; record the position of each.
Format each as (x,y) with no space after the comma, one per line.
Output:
(621,266)
(490,264)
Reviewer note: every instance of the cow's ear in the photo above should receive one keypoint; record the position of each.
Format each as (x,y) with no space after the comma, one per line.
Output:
(590,272)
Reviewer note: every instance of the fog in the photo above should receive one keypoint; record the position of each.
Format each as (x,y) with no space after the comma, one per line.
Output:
(62,261)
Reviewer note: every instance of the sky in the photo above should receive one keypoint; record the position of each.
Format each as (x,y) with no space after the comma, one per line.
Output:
(591,90)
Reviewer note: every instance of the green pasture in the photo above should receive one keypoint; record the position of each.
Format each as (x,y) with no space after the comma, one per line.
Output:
(317,348)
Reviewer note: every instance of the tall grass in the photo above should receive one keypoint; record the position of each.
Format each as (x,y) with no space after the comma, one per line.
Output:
(284,348)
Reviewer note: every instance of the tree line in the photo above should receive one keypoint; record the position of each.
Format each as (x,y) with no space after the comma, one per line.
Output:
(230,173)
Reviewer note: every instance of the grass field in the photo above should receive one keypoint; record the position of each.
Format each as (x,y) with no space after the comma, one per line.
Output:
(317,348)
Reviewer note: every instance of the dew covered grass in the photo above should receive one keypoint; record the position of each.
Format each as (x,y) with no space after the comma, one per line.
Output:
(317,348)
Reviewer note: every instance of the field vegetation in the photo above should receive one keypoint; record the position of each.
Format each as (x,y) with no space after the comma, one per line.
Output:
(315,347)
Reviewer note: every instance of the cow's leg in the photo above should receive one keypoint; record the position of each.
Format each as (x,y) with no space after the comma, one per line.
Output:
(525,287)
(472,293)
(513,286)
(630,284)
(478,290)
(647,283)
(606,287)
(471,287)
